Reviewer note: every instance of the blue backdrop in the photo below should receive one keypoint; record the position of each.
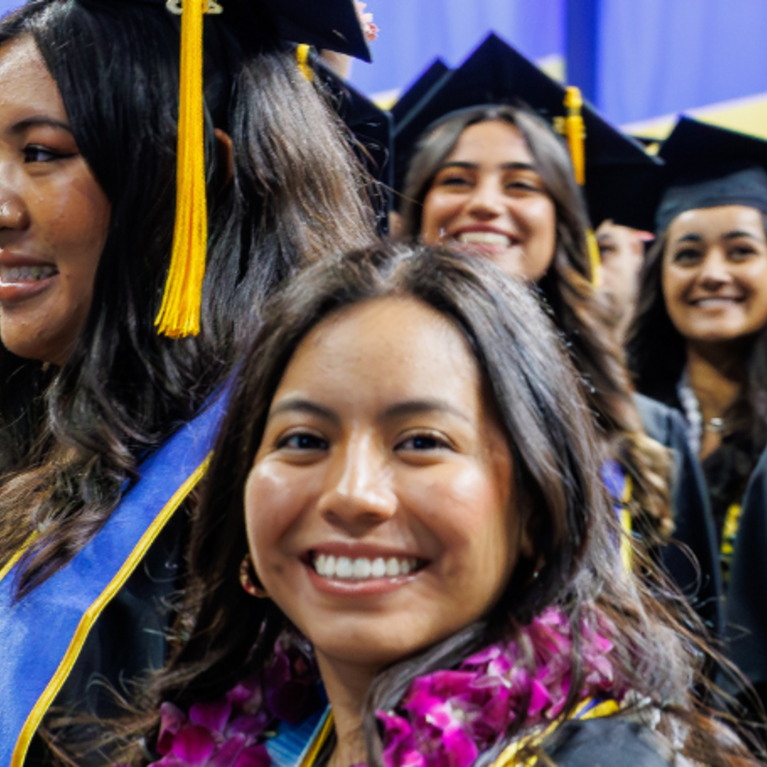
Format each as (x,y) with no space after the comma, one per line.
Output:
(634,60)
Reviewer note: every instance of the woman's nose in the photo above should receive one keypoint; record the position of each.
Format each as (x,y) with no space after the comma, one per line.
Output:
(715,270)
(486,201)
(14,214)
(358,494)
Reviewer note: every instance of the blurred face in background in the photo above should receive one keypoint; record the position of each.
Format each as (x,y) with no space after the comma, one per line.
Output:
(715,273)
(489,198)
(621,251)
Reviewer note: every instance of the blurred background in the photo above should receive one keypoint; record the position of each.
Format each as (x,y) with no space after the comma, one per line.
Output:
(640,62)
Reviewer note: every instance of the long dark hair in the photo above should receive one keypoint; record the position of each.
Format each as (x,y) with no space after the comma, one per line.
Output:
(71,438)
(540,405)
(567,289)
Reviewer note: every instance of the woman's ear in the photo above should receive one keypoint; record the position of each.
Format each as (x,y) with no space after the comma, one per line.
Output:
(225,152)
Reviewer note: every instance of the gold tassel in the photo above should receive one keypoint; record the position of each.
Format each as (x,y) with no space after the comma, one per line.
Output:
(575,132)
(179,314)
(595,259)
(302,59)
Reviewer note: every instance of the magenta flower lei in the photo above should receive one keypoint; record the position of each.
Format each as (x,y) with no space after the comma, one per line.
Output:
(446,719)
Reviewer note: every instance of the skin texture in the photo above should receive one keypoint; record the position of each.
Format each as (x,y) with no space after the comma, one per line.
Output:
(53,213)
(489,184)
(380,442)
(715,274)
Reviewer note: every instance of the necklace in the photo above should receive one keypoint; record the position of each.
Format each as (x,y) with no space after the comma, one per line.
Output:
(696,426)
(714,425)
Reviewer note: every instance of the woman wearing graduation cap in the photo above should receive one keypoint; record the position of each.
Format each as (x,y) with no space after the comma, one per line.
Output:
(106,424)
(495,180)
(699,343)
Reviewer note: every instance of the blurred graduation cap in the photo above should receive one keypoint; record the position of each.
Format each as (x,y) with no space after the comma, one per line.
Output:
(707,166)
(330,24)
(614,167)
(418,90)
(373,130)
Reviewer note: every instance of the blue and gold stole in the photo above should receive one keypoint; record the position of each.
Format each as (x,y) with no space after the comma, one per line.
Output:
(42,634)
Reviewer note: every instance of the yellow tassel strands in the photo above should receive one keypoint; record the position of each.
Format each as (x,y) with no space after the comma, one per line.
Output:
(575,132)
(179,314)
(302,59)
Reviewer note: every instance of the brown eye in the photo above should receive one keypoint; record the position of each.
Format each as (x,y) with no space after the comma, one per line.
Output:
(302,441)
(686,256)
(35,153)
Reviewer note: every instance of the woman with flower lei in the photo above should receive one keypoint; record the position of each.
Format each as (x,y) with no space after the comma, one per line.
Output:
(405,556)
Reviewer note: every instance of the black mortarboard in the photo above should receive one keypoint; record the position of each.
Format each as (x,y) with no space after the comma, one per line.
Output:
(408,102)
(616,167)
(328,25)
(419,89)
(708,166)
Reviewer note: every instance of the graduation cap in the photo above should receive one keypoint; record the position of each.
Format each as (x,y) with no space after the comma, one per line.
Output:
(372,128)
(419,89)
(707,167)
(613,168)
(409,101)
(330,24)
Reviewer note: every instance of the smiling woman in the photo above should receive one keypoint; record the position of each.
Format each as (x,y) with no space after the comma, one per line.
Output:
(407,479)
(104,424)
(699,343)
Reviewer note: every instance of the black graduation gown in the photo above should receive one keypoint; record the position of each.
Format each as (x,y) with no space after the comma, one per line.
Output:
(606,742)
(747,592)
(692,516)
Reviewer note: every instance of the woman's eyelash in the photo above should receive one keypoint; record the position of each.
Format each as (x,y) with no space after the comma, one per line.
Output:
(34,153)
(423,442)
(302,441)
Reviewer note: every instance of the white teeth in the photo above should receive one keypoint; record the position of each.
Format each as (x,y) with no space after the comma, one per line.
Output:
(362,568)
(485,238)
(716,301)
(344,568)
(10,274)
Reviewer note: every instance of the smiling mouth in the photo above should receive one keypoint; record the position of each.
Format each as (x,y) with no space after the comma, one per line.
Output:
(363,568)
(485,238)
(716,301)
(10,275)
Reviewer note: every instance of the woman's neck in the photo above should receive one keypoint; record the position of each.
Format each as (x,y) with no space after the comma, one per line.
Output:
(346,686)
(715,373)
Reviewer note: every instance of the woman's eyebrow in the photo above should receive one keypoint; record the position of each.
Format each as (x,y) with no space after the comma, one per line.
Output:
(39,121)
(422,406)
(297,405)
(474,166)
(743,233)
(689,238)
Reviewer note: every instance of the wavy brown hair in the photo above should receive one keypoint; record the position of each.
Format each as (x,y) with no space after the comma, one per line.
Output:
(568,292)
(539,402)
(71,439)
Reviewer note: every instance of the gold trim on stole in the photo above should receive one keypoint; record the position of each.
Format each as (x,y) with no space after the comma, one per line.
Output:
(93,612)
